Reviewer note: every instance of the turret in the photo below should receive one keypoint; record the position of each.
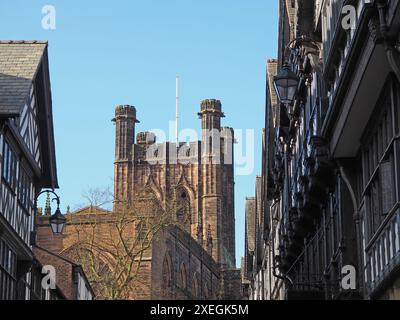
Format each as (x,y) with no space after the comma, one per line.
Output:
(125,120)
(217,208)
(210,115)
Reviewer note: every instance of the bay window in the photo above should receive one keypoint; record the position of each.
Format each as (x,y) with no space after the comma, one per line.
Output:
(378,163)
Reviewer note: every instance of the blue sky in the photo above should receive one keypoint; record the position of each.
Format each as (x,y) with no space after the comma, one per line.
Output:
(128,52)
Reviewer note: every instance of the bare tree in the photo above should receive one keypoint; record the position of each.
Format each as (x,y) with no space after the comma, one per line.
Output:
(114,248)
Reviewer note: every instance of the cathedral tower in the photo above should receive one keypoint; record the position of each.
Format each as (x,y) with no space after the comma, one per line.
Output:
(205,185)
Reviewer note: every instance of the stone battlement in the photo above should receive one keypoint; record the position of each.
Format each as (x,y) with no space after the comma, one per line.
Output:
(125,111)
(211,104)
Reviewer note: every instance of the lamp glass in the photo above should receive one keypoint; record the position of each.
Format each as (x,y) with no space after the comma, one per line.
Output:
(285,84)
(57,222)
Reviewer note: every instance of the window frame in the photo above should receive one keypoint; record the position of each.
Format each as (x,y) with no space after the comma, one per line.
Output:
(25,188)
(8,272)
(377,151)
(9,171)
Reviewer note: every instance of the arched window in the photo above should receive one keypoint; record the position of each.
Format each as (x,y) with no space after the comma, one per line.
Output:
(166,276)
(196,286)
(206,292)
(181,215)
(96,264)
(183,276)
(183,212)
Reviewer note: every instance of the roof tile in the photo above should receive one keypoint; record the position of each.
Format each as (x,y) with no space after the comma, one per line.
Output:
(19,61)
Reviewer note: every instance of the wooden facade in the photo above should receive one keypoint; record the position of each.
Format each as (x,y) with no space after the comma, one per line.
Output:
(331,161)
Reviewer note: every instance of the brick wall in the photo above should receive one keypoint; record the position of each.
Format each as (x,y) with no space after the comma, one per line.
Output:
(64,272)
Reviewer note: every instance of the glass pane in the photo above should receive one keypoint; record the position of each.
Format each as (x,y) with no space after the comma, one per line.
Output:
(397,237)
(387,187)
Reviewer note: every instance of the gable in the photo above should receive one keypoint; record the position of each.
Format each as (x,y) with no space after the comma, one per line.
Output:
(19,62)
(25,96)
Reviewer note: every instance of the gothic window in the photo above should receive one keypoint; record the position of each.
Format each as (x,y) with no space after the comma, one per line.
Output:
(196,285)
(183,277)
(206,292)
(183,213)
(209,241)
(166,277)
(180,215)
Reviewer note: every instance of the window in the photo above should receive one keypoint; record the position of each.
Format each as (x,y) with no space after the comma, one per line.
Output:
(378,166)
(83,290)
(24,189)
(9,165)
(181,215)
(167,277)
(380,195)
(142,232)
(8,272)
(196,286)
(386,177)
(183,277)
(29,286)
(206,292)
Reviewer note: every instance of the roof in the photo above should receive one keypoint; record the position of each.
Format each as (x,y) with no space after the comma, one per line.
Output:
(90,209)
(23,63)
(19,62)
(77,267)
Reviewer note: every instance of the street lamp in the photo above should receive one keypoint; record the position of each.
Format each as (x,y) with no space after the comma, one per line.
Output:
(57,220)
(286,83)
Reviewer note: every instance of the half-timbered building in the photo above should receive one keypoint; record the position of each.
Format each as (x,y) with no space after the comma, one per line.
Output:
(27,163)
(331,164)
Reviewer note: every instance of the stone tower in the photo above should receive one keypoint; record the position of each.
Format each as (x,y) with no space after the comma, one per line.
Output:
(218,181)
(125,121)
(200,174)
